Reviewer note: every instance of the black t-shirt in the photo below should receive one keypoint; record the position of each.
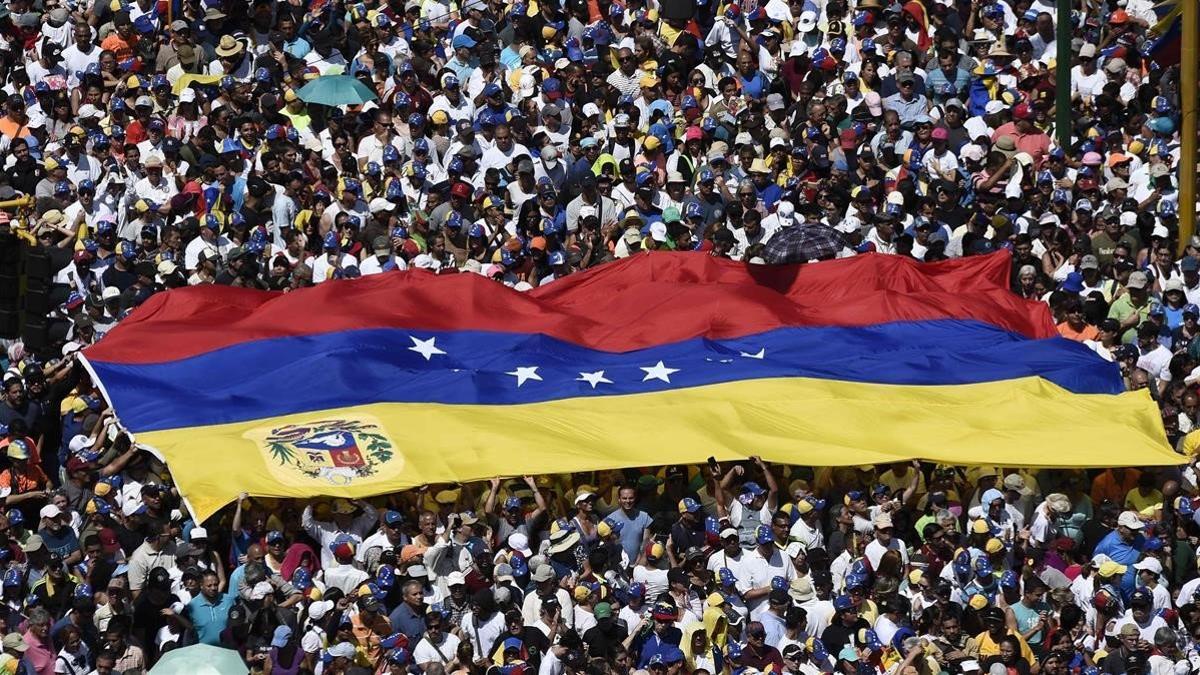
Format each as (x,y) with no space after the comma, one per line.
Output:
(604,638)
(120,279)
(838,634)
(536,645)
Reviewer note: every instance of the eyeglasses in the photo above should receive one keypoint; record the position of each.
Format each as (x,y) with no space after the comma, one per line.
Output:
(625,59)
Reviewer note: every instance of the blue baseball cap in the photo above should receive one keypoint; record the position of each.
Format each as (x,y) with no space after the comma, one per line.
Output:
(763,535)
(753,488)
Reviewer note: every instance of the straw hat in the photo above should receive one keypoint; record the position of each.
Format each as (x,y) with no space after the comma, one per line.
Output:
(229,46)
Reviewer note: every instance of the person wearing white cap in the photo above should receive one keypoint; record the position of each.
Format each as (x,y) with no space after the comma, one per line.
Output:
(783,217)
(885,540)
(1124,545)
(731,557)
(1149,572)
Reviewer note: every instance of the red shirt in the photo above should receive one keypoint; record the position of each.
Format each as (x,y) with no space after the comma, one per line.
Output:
(1036,144)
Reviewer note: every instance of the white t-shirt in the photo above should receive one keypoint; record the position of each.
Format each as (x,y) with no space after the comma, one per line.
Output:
(444,653)
(875,551)
(654,579)
(322,270)
(736,565)
(762,570)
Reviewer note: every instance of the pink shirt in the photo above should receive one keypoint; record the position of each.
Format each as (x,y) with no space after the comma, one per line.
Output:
(1037,144)
(40,655)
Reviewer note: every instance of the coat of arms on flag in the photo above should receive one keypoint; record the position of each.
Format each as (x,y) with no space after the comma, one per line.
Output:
(333,451)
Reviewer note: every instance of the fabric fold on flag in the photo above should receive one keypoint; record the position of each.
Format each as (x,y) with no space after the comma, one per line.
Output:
(366,386)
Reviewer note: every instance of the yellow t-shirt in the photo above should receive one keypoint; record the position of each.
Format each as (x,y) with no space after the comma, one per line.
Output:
(987,647)
(1135,501)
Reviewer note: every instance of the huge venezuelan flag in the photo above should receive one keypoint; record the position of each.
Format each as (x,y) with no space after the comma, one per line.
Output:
(377,384)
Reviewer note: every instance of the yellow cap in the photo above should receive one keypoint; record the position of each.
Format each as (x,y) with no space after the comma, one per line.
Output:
(102,489)
(289,95)
(548,32)
(804,506)
(18,449)
(651,143)
(582,592)
(439,117)
(72,404)
(980,527)
(648,81)
(51,164)
(978,601)
(1136,147)
(994,545)
(133,82)
(1110,568)
(715,600)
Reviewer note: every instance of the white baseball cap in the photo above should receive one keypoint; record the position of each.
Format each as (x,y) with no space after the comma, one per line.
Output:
(1130,519)
(51,511)
(1151,564)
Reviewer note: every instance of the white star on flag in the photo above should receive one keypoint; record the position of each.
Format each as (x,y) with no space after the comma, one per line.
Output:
(658,372)
(523,373)
(760,354)
(594,378)
(425,348)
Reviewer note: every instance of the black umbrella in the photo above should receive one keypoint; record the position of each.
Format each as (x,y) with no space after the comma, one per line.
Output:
(801,243)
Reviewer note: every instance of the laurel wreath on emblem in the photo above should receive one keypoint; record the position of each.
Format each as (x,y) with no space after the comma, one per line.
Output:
(375,448)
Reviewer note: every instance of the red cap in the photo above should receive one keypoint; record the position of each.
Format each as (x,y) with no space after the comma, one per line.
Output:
(1086,184)
(461,190)
(849,139)
(1022,112)
(83,256)
(108,540)
(77,464)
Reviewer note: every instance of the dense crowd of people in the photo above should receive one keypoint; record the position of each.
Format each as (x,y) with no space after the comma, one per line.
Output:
(152,145)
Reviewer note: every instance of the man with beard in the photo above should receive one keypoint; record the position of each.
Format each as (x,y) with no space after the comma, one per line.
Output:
(18,406)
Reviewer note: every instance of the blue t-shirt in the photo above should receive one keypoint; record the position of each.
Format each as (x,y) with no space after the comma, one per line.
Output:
(64,543)
(632,529)
(754,86)
(210,618)
(1126,554)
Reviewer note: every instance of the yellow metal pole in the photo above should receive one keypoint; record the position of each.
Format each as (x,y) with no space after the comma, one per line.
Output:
(1187,92)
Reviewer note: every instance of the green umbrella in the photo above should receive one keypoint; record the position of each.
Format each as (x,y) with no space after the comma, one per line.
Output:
(200,660)
(335,90)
